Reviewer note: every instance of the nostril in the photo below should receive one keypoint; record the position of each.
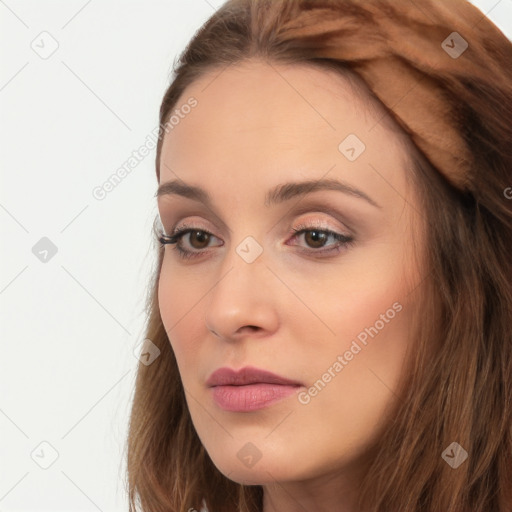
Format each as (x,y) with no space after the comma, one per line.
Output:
(251,327)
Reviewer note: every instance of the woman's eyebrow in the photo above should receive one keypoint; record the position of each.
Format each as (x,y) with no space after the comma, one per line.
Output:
(277,195)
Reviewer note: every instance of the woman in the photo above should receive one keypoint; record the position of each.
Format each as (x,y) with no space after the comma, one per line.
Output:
(332,302)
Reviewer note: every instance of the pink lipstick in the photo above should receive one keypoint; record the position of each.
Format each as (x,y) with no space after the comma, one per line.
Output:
(249,388)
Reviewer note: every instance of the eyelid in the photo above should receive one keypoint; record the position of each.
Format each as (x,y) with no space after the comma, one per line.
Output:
(318,224)
(349,215)
(315,208)
(202,212)
(311,222)
(180,226)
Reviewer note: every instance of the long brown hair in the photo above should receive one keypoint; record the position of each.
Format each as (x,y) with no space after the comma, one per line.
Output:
(456,113)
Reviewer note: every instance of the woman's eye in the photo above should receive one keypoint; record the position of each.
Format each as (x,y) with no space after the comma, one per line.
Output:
(317,238)
(199,240)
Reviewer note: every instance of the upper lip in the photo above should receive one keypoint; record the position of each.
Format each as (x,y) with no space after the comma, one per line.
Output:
(247,375)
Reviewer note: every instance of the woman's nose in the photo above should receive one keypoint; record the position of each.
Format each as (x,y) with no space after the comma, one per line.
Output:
(243,300)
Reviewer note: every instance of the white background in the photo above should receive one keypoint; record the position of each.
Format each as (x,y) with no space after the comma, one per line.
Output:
(69,326)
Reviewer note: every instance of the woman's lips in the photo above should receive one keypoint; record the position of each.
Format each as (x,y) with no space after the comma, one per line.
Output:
(248,388)
(250,397)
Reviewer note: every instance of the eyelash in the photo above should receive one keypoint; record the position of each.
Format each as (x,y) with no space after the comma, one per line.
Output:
(175,238)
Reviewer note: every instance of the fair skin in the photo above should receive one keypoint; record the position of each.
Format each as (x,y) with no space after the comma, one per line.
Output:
(294,309)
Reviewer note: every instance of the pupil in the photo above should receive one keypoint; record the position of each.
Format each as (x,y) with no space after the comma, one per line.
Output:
(317,237)
(201,236)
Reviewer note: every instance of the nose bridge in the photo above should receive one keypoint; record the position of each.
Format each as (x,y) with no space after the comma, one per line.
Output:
(243,272)
(246,256)
(241,297)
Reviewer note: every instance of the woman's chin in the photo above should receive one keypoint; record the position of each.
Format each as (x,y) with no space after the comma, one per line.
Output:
(262,472)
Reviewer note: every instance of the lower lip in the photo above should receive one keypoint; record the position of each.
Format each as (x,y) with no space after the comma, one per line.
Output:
(250,397)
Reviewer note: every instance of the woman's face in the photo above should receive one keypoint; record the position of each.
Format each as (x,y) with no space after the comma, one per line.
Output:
(329,315)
